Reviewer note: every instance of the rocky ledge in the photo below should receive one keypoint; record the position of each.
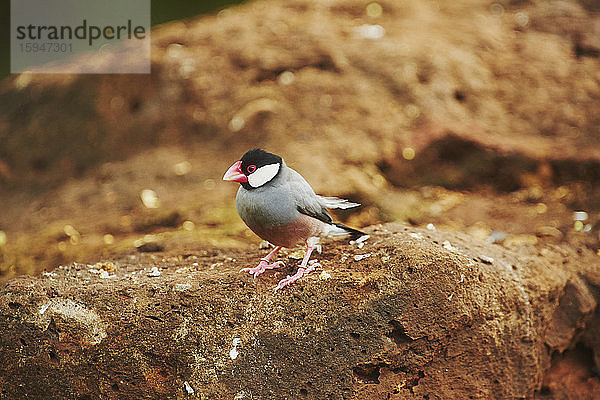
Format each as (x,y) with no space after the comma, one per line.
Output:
(413,314)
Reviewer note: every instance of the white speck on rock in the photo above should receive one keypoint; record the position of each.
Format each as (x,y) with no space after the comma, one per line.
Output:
(188,388)
(104,274)
(367,31)
(359,257)
(416,235)
(446,244)
(242,395)
(431,227)
(363,238)
(154,272)
(43,308)
(182,287)
(233,353)
(324,276)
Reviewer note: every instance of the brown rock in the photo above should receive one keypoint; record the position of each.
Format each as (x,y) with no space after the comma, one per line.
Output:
(422,317)
(458,95)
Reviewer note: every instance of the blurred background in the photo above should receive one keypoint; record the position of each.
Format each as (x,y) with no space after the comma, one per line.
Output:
(475,115)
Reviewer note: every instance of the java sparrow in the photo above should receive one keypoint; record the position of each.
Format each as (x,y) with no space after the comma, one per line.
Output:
(278,205)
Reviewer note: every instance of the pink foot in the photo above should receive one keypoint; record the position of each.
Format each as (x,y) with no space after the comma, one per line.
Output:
(291,279)
(305,268)
(264,264)
(262,267)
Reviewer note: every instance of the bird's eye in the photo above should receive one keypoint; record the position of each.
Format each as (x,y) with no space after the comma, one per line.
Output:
(251,168)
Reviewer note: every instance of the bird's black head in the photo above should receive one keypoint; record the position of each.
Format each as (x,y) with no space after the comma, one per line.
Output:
(260,167)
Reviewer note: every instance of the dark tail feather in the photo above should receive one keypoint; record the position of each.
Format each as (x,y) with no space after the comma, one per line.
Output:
(354,233)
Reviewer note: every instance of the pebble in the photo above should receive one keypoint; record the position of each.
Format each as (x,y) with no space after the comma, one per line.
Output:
(324,276)
(580,216)
(360,242)
(233,353)
(296,255)
(496,237)
(188,389)
(363,238)
(105,274)
(367,31)
(359,257)
(182,287)
(446,244)
(149,198)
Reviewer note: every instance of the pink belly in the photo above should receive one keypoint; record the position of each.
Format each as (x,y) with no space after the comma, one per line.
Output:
(291,234)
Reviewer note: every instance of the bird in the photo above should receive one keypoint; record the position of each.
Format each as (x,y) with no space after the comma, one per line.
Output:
(280,206)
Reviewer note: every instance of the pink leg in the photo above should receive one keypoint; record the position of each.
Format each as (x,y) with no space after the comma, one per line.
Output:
(264,264)
(304,268)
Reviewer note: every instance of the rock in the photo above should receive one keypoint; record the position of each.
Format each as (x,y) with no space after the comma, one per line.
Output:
(416,319)
(435,97)
(150,247)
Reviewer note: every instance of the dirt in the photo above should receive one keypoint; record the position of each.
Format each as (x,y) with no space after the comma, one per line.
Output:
(471,116)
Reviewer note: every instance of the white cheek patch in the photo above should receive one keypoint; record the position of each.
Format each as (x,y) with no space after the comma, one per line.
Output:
(263,175)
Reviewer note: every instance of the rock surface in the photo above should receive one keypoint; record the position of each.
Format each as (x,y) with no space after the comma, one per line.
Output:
(461,95)
(426,315)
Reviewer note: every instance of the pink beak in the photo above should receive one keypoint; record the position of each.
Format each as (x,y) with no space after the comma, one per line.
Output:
(234,173)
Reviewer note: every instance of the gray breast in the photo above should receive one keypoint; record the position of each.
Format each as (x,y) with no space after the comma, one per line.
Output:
(269,205)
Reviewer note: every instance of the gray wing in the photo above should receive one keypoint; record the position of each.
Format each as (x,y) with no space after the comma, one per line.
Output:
(306,200)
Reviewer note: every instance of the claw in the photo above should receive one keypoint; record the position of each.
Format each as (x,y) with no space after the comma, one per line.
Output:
(291,279)
(306,267)
(262,267)
(264,264)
